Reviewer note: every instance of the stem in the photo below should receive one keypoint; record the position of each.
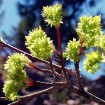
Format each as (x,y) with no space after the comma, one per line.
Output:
(59,39)
(79,80)
(61,53)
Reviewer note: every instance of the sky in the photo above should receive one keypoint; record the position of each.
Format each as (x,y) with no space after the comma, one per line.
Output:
(100,6)
(11,18)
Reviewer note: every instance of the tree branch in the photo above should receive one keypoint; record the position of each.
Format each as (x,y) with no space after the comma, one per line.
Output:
(58,85)
(37,59)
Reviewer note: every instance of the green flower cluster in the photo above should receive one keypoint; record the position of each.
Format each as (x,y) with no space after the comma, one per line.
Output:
(89,30)
(91,64)
(39,44)
(16,75)
(53,14)
(72,50)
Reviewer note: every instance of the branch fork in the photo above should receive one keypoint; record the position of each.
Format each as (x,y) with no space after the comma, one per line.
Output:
(63,83)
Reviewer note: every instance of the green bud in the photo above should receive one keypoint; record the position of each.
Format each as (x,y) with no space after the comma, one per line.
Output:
(11,89)
(39,44)
(34,34)
(15,66)
(72,50)
(89,29)
(91,64)
(53,14)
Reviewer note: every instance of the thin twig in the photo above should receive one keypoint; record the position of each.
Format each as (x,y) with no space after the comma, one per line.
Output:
(57,60)
(30,96)
(55,52)
(56,84)
(33,95)
(33,66)
(2,98)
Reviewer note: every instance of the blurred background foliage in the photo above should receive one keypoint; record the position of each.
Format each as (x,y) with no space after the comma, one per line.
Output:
(29,12)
